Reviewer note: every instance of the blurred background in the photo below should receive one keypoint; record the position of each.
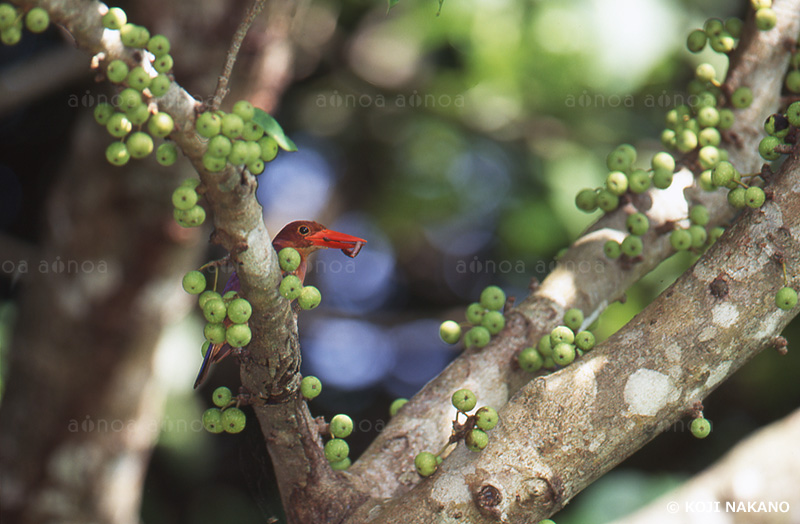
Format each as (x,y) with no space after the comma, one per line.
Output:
(454,144)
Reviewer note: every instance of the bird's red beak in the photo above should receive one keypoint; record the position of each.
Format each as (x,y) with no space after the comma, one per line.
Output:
(349,244)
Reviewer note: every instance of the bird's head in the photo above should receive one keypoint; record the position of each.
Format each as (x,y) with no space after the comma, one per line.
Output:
(307,236)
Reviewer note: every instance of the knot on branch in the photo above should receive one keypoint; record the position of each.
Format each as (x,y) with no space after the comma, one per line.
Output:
(488,499)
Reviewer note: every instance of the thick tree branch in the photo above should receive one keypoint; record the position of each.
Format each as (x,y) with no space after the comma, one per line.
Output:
(759,62)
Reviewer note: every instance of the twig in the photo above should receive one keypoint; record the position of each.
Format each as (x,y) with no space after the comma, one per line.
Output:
(233,51)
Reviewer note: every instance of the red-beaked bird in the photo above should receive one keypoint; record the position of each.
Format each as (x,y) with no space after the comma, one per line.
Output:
(306,237)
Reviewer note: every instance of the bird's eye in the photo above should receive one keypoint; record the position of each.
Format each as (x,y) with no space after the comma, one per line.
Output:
(303,230)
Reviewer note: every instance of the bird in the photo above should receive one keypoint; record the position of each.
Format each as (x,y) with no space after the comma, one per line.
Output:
(306,236)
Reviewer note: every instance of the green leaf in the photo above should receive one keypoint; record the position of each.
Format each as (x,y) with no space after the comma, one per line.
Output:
(273,129)
(440,8)
(392,3)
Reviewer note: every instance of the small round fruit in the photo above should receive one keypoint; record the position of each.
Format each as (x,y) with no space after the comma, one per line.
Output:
(493,298)
(476,440)
(742,97)
(561,334)
(726,119)
(244,110)
(336,449)
(215,333)
(586,200)
(786,298)
(184,197)
(158,45)
(232,125)
(663,161)
(269,148)
(229,296)
(212,420)
(700,427)
(291,287)
(545,346)
(662,178)
(102,112)
(563,354)
(139,79)
(221,396)
(705,72)
(622,158)
(486,418)
(450,332)
(607,201)
(713,26)
(167,154)
(754,197)
(238,154)
(163,64)
(766,19)
(239,310)
(341,426)
(637,223)
(115,18)
(396,405)
(680,239)
(160,85)
(341,465)
(585,340)
(475,313)
(766,148)
(699,215)
(256,167)
(708,157)
(139,144)
(118,125)
(612,249)
(117,154)
(310,387)
(289,259)
(530,360)
(632,246)
(464,400)
(194,282)
(793,112)
(233,420)
(309,298)
(699,236)
(238,335)
(215,310)
(573,318)
(494,321)
(723,174)
(639,181)
(478,336)
(37,20)
(425,463)
(138,115)
(617,182)
(208,124)
(696,40)
(736,197)
(160,125)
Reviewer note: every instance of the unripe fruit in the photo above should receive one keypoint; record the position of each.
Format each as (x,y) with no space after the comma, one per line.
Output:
(253,152)
(138,115)
(699,236)
(336,449)
(221,396)
(754,197)
(163,64)
(167,153)
(742,97)
(530,360)
(486,418)
(622,158)
(726,119)
(205,296)
(309,298)
(766,19)
(139,144)
(607,201)
(244,110)
(219,146)
(103,112)
(476,440)
(253,132)
(561,334)
(585,340)
(159,85)
(700,427)
(478,336)
(425,463)
(117,154)
(212,163)
(230,296)
(289,259)
(777,125)
(723,174)
(680,239)
(612,249)
(396,405)
(212,420)
(586,200)
(269,148)
(663,161)
(11,35)
(617,183)
(239,310)
(545,346)
(573,318)
(341,426)
(118,125)
(133,35)
(563,354)
(686,141)
(341,465)
(793,112)
(158,45)
(713,26)
(736,197)
(639,181)
(786,298)
(232,125)
(708,117)
(696,41)
(290,287)
(238,335)
(705,73)
(464,400)
(160,125)
(493,298)
(662,178)
(208,125)
(238,154)
(194,282)
(637,224)
(699,215)
(310,387)
(184,197)
(115,18)
(215,310)
(193,217)
(233,420)
(450,332)
(494,321)
(215,333)
(475,313)
(632,246)
(37,20)
(138,78)
(766,148)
